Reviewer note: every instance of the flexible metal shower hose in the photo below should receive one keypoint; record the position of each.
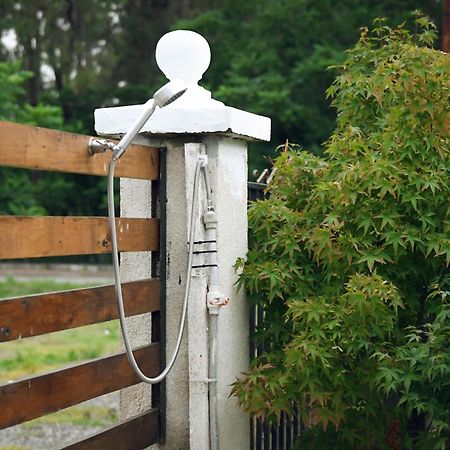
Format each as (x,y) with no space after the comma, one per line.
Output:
(115,256)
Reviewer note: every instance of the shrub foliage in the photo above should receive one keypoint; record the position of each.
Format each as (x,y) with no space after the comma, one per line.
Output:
(351,259)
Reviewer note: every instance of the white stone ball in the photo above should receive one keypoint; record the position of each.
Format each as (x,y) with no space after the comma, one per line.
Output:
(184,55)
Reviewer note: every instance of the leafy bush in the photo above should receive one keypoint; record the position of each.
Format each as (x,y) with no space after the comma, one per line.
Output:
(351,259)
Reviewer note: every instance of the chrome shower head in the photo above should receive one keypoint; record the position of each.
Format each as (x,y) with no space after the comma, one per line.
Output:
(162,97)
(169,93)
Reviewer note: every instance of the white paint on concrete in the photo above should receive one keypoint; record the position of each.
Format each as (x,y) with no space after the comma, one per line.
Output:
(177,118)
(136,202)
(228,165)
(223,131)
(197,332)
(187,394)
(177,383)
(186,55)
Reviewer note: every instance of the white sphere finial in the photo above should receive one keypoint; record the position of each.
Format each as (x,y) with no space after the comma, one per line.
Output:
(184,55)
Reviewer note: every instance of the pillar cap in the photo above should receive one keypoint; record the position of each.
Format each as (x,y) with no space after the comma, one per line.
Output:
(185,54)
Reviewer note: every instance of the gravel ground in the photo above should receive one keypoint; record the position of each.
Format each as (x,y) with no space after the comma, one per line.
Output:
(52,436)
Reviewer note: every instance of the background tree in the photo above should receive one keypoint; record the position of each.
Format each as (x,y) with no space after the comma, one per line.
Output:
(28,192)
(18,194)
(268,56)
(85,54)
(66,44)
(351,259)
(272,57)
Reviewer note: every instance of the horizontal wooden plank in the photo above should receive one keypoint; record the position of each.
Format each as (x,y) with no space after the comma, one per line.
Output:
(34,315)
(37,396)
(43,149)
(136,433)
(30,237)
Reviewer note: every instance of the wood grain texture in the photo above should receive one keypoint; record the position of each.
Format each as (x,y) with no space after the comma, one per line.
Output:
(44,149)
(30,237)
(34,315)
(37,396)
(134,434)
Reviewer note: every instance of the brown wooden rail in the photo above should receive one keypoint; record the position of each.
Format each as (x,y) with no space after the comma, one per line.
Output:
(44,149)
(30,237)
(34,397)
(134,434)
(34,315)
(34,148)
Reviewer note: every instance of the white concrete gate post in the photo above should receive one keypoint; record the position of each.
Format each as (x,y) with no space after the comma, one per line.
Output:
(192,125)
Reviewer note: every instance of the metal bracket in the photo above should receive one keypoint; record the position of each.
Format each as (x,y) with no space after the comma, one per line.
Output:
(204,380)
(100,145)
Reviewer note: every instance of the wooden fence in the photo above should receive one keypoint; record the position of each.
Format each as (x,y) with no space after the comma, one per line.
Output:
(29,237)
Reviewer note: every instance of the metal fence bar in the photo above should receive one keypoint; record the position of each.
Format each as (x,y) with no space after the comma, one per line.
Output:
(252,433)
(259,435)
(289,432)
(266,428)
(281,426)
(274,432)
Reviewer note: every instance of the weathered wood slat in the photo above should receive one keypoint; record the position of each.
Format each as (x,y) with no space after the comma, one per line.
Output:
(134,434)
(44,149)
(30,237)
(34,397)
(45,313)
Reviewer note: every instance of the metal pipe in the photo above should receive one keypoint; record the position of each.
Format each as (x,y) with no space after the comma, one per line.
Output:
(211,237)
(162,97)
(148,109)
(207,185)
(213,360)
(215,301)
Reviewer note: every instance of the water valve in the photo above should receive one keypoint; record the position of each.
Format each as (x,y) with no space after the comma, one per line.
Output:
(215,300)
(210,218)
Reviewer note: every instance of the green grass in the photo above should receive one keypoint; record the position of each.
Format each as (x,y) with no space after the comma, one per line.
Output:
(14,447)
(31,356)
(39,354)
(93,416)
(14,288)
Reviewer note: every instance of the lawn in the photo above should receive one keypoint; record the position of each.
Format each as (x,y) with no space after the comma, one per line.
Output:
(13,288)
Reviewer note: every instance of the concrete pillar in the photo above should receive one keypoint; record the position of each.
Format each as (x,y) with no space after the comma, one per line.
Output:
(192,125)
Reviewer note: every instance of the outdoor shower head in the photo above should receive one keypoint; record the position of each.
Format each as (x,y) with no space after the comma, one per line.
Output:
(162,97)
(169,93)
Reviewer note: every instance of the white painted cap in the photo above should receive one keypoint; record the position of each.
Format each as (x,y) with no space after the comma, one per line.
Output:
(183,55)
